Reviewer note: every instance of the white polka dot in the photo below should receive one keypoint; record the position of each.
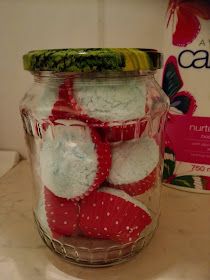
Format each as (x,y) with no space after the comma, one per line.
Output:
(127,228)
(83,215)
(94,205)
(61,204)
(97,217)
(118,207)
(108,214)
(130,239)
(65,222)
(88,218)
(66,213)
(49,204)
(102,203)
(111,198)
(105,228)
(51,213)
(53,221)
(116,222)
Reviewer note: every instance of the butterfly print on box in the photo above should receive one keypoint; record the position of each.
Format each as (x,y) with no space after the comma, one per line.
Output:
(181,102)
(170,171)
(184,16)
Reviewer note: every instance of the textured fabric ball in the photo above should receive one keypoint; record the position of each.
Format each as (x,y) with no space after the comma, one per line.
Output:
(68,160)
(42,99)
(111,100)
(112,214)
(133,160)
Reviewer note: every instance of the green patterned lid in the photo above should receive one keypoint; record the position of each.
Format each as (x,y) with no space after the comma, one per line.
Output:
(92,60)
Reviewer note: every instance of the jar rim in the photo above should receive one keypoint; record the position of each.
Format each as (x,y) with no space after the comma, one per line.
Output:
(86,60)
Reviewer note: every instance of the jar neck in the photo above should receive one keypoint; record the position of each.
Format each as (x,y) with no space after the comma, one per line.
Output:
(44,76)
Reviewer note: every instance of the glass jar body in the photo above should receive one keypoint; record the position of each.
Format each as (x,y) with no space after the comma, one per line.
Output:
(95,144)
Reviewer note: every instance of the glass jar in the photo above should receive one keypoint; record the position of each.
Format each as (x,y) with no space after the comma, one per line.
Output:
(94,122)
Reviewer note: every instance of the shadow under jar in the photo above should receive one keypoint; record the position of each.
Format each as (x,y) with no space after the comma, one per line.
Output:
(94,122)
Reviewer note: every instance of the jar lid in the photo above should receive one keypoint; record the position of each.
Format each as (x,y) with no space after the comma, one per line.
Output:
(92,60)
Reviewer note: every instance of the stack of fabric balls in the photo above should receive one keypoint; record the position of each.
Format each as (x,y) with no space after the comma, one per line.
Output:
(95,158)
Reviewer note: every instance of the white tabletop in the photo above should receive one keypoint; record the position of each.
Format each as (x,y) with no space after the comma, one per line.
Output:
(179,250)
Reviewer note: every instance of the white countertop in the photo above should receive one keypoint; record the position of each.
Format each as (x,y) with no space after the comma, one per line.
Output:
(179,250)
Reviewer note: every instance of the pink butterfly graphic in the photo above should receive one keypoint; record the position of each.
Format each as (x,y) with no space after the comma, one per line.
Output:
(170,172)
(181,101)
(185,16)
